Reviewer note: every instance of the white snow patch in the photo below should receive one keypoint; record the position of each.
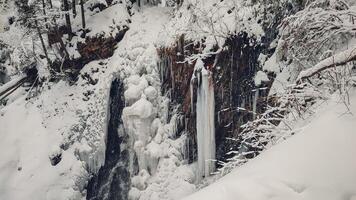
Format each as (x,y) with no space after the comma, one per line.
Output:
(26,171)
(260,77)
(271,65)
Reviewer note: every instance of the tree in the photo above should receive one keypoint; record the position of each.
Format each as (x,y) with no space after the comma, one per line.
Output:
(74,9)
(42,42)
(44,7)
(67,17)
(83,14)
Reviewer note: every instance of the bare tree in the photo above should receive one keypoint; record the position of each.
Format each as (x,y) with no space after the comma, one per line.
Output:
(44,7)
(74,9)
(67,17)
(42,42)
(83,14)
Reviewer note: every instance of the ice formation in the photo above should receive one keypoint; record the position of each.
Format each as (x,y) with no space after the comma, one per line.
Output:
(255,100)
(205,109)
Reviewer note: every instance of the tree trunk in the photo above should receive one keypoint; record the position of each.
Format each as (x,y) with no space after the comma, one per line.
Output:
(83,14)
(74,8)
(50,3)
(69,26)
(44,13)
(63,48)
(44,8)
(42,42)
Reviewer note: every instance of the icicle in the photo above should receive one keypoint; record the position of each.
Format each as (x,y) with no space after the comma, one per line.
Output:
(254,106)
(205,109)
(192,93)
(172,74)
(188,149)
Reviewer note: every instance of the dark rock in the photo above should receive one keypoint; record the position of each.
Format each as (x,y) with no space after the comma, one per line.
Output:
(113,182)
(55,158)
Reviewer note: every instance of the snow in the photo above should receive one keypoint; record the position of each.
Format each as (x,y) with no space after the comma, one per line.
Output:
(135,89)
(107,22)
(56,122)
(56,3)
(315,164)
(212,20)
(142,109)
(151,93)
(26,170)
(260,77)
(281,81)
(271,65)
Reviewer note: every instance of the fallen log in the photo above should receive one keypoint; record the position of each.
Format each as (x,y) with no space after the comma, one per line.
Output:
(15,83)
(12,90)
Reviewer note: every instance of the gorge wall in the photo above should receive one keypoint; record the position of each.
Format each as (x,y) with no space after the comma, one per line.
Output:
(209,99)
(237,98)
(113,179)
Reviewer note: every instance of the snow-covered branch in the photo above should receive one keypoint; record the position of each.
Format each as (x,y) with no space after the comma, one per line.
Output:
(339,59)
(311,33)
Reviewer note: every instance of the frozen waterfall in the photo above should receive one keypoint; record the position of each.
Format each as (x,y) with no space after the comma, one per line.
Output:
(205,109)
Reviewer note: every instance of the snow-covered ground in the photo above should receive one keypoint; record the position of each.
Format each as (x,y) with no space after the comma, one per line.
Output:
(316,164)
(27,145)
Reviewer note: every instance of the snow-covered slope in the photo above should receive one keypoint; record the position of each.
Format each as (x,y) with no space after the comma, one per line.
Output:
(316,164)
(26,147)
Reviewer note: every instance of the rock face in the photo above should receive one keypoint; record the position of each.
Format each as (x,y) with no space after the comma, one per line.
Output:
(237,98)
(233,72)
(95,48)
(235,90)
(113,180)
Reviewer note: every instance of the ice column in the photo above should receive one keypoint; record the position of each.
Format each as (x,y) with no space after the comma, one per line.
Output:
(254,105)
(205,109)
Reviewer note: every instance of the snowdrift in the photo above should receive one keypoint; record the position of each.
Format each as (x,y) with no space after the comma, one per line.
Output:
(316,164)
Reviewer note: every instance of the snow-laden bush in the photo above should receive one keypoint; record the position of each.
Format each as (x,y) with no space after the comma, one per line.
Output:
(214,21)
(312,34)
(274,125)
